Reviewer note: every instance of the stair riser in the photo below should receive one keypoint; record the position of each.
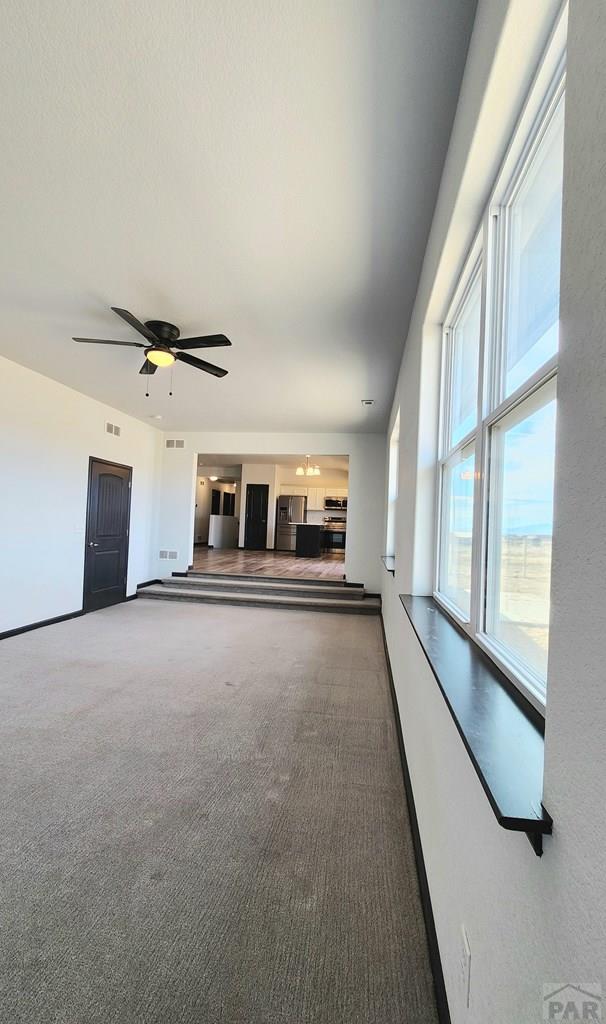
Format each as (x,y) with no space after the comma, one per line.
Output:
(289,580)
(278,591)
(354,608)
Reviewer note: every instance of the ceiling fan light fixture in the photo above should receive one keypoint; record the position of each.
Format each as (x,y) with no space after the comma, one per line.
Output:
(159,336)
(160,356)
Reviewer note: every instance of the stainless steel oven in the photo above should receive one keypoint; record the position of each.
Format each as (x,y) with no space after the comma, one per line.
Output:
(334,534)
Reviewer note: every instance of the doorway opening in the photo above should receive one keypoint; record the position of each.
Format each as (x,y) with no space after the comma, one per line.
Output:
(271,515)
(107,529)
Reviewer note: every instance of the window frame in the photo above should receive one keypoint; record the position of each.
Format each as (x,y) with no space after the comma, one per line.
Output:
(472,273)
(489,256)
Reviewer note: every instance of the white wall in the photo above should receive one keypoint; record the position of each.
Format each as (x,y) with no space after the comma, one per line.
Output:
(49,432)
(530,921)
(366,486)
(259,473)
(202,510)
(317,518)
(575,770)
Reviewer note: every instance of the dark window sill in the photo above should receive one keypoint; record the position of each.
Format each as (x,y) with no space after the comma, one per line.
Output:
(389,562)
(502,734)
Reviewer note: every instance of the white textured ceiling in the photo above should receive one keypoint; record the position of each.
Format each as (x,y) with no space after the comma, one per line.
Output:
(263,169)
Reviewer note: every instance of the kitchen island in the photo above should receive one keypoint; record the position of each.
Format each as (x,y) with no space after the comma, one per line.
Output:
(308,544)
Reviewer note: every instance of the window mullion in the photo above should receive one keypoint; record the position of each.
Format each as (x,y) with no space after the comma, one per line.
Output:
(442,430)
(533,384)
(445,389)
(476,549)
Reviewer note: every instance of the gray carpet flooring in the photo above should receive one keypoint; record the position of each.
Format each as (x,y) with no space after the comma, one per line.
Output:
(202,819)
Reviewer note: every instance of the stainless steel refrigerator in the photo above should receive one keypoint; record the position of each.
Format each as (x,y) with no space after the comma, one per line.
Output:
(292,509)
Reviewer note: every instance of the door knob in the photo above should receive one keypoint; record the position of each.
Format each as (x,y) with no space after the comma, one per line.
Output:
(93,544)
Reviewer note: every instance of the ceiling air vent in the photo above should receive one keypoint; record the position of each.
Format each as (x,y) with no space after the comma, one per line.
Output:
(175,443)
(112,428)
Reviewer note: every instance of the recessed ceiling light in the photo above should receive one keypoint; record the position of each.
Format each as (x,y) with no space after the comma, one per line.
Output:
(213,478)
(368,401)
(157,416)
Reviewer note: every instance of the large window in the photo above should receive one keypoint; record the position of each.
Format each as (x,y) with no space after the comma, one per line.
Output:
(498,410)
(457,466)
(522,453)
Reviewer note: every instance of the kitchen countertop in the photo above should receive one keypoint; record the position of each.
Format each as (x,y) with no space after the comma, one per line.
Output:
(321,526)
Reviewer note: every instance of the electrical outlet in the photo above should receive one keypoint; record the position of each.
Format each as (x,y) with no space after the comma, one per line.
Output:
(465,967)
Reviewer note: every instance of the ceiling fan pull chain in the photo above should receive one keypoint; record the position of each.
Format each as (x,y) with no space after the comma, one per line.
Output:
(170,393)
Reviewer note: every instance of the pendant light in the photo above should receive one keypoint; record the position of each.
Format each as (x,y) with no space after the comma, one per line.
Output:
(306,469)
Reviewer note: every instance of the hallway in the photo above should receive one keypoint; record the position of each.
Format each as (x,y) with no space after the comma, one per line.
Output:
(204,820)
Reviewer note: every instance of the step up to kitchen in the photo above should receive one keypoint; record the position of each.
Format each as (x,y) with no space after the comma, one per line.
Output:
(302,594)
(289,587)
(194,574)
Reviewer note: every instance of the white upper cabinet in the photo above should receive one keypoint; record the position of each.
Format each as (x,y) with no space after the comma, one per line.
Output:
(289,489)
(315,495)
(315,499)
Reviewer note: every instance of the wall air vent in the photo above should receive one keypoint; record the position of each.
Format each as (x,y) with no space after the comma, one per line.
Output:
(172,555)
(175,443)
(112,428)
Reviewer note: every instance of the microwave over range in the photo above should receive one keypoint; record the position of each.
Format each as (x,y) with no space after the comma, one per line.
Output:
(330,503)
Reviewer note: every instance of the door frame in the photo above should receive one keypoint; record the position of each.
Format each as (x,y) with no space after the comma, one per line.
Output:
(116,465)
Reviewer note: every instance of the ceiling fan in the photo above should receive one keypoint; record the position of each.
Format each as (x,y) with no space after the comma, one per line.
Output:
(161,339)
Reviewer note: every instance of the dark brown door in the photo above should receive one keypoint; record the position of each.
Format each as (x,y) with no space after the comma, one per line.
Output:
(107,522)
(255,523)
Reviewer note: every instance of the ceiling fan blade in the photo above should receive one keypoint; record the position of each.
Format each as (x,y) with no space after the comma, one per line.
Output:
(200,364)
(208,341)
(148,368)
(100,341)
(132,320)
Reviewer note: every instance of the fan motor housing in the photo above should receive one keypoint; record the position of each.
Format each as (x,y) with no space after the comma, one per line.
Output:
(164,331)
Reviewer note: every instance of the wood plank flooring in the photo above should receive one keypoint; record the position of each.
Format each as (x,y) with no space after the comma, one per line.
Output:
(269,563)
